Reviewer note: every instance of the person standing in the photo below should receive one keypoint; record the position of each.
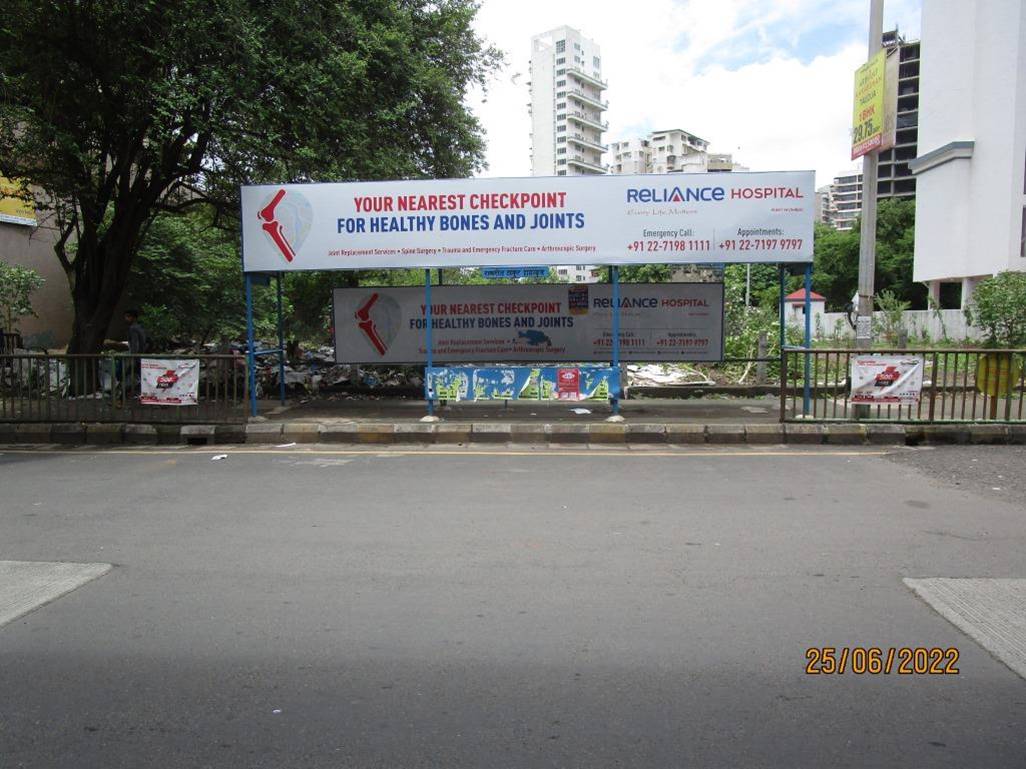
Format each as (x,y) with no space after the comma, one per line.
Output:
(137,342)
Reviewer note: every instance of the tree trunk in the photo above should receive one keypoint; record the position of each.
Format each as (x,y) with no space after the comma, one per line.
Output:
(100,275)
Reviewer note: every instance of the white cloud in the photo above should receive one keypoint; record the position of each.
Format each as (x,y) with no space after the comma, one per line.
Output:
(735,72)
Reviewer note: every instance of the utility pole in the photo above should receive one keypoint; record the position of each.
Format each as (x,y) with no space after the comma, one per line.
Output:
(867,240)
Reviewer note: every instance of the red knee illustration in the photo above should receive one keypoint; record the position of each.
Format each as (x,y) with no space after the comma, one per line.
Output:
(273,227)
(363,320)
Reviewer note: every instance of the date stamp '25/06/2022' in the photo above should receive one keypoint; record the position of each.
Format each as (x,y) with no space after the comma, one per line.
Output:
(875,660)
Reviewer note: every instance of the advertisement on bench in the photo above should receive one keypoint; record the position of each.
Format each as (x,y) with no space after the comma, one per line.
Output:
(530,323)
(599,219)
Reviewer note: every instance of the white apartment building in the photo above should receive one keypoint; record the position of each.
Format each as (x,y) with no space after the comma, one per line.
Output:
(668,152)
(971,169)
(567,115)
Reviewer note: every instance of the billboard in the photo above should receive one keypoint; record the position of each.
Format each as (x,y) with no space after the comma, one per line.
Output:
(529,323)
(886,379)
(874,110)
(14,208)
(657,218)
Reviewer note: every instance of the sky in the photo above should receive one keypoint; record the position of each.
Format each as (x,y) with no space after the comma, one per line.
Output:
(767,80)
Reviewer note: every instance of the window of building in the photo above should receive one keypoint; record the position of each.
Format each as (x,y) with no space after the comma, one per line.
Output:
(560,93)
(561,161)
(560,139)
(560,46)
(561,151)
(560,173)
(595,62)
(561,71)
(560,129)
(562,271)
(577,46)
(1022,241)
(561,105)
(560,82)
(561,60)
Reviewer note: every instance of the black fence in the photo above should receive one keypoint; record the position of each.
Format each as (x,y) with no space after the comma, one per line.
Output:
(958,386)
(42,387)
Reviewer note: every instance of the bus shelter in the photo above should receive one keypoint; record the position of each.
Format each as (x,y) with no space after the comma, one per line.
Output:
(523,223)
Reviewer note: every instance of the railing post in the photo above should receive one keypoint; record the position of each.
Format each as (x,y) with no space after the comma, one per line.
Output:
(783,384)
(933,385)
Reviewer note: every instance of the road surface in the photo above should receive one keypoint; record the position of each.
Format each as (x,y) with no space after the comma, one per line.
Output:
(465,608)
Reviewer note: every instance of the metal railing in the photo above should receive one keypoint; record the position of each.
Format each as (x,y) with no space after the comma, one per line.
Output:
(9,342)
(955,387)
(42,387)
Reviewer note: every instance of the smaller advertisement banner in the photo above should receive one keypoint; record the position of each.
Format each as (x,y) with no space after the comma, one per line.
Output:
(886,379)
(171,382)
(467,383)
(15,208)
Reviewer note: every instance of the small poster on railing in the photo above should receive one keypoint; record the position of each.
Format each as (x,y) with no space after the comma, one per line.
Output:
(886,379)
(169,382)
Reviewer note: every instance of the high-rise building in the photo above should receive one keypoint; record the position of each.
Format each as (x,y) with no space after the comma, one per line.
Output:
(894,178)
(566,104)
(971,168)
(844,201)
(566,115)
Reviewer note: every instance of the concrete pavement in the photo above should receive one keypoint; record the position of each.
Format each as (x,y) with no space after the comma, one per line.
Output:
(353,607)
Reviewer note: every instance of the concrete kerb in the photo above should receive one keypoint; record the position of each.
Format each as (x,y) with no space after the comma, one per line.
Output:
(267,432)
(644,433)
(604,433)
(491,432)
(725,433)
(70,433)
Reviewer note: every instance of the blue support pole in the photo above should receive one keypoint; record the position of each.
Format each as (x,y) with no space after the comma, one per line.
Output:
(615,275)
(783,308)
(427,342)
(281,346)
(250,347)
(807,399)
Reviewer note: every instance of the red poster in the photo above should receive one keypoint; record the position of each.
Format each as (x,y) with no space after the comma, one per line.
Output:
(568,384)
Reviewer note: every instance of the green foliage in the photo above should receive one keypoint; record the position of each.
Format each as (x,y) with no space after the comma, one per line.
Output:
(998,305)
(891,324)
(17,284)
(836,270)
(189,285)
(121,109)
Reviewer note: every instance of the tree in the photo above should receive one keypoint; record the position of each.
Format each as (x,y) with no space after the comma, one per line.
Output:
(998,305)
(123,109)
(836,271)
(17,284)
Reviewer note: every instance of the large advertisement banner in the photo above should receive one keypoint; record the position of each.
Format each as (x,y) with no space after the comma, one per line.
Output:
(678,218)
(171,382)
(886,379)
(530,323)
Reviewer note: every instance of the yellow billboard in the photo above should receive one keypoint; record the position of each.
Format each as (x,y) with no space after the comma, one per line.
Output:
(14,208)
(873,114)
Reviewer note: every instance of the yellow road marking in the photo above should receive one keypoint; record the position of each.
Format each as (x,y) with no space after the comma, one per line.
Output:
(428,451)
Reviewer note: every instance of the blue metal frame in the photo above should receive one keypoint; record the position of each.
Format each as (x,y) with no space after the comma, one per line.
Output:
(807,395)
(281,345)
(615,279)
(250,345)
(427,343)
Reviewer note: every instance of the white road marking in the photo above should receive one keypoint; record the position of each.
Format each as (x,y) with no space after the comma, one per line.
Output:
(990,611)
(27,585)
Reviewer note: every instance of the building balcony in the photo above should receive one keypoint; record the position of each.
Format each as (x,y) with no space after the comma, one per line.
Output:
(585,142)
(584,98)
(580,162)
(585,119)
(585,78)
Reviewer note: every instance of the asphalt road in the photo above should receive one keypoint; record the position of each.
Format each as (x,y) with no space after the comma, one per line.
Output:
(595,608)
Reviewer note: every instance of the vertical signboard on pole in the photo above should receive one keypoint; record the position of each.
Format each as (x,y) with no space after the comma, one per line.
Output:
(874,111)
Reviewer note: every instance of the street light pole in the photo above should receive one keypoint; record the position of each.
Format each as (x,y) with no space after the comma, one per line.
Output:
(867,240)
